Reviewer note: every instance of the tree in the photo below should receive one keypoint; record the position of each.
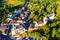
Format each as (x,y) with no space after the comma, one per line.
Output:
(53,32)
(34,34)
(15,2)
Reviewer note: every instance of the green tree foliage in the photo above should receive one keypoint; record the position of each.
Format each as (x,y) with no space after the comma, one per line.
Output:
(58,11)
(39,9)
(15,2)
(53,32)
(58,33)
(45,7)
(34,34)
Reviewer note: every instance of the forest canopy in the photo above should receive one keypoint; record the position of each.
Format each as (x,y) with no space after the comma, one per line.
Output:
(39,9)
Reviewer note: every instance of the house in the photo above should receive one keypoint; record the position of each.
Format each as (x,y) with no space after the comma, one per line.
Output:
(45,20)
(39,23)
(51,16)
